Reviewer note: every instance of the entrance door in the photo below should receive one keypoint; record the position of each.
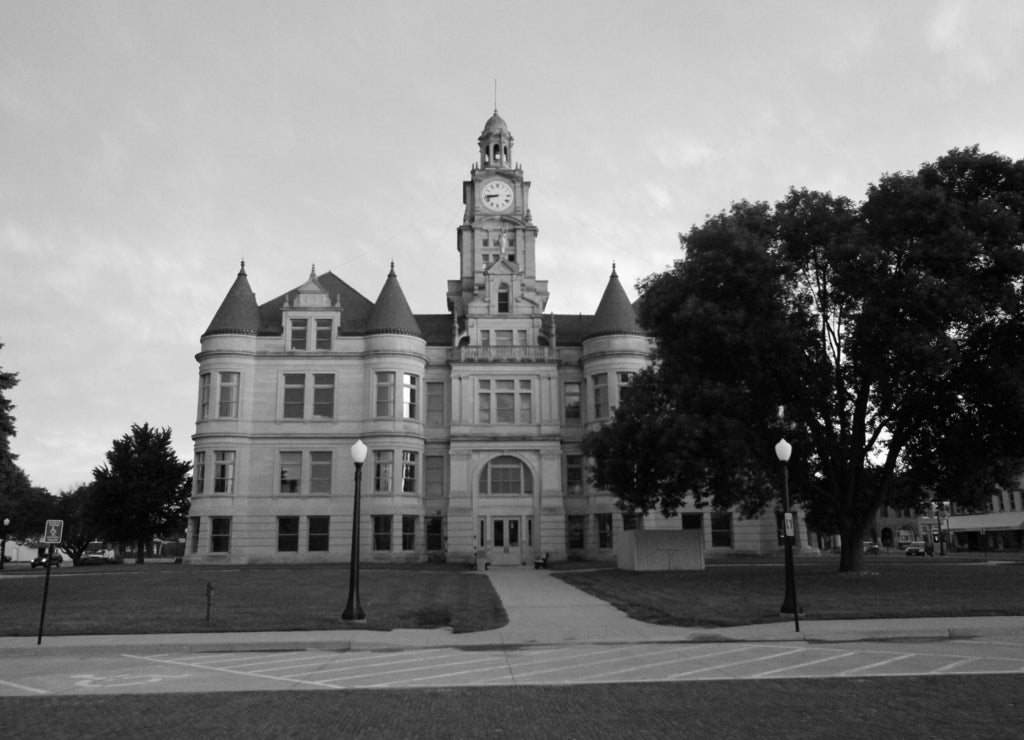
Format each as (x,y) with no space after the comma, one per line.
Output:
(506,548)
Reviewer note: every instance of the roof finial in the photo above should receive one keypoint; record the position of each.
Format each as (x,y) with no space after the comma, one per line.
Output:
(312,271)
(495,95)
(242,271)
(614,274)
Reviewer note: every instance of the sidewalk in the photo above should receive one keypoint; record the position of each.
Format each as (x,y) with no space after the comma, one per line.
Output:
(542,610)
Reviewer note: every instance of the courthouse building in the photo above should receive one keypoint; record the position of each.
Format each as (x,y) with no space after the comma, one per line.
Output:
(473,419)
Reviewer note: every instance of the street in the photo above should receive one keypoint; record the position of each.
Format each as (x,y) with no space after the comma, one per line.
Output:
(90,672)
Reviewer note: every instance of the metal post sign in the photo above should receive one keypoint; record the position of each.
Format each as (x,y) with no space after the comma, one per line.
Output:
(790,530)
(54,532)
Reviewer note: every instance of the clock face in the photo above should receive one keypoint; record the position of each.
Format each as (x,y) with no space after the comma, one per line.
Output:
(496,195)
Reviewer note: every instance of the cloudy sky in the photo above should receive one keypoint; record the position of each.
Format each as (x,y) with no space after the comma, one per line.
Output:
(147,148)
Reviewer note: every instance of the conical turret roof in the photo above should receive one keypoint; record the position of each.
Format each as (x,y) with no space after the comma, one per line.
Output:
(391,313)
(238,313)
(615,314)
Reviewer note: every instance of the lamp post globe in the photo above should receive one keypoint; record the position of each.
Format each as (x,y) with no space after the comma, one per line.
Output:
(353,609)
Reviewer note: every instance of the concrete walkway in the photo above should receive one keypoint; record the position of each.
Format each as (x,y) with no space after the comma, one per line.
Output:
(542,610)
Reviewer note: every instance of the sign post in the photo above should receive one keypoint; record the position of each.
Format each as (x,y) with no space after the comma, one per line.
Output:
(52,535)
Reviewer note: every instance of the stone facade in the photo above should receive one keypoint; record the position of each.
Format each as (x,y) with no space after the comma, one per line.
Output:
(473,419)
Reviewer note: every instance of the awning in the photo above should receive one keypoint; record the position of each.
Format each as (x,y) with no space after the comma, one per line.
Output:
(989,522)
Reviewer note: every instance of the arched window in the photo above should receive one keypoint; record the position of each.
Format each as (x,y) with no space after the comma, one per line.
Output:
(503,302)
(506,475)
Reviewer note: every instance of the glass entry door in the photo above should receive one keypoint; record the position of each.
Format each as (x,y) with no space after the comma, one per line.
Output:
(506,545)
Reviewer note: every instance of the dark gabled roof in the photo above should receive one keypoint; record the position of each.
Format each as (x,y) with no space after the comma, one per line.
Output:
(437,328)
(355,308)
(615,314)
(391,313)
(238,312)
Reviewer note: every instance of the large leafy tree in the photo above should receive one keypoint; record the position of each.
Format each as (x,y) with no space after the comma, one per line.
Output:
(83,520)
(142,490)
(891,331)
(26,506)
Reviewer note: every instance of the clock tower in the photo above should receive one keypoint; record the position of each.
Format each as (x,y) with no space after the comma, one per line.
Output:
(496,243)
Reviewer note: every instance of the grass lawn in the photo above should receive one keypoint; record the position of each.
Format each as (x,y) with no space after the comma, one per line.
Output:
(161,598)
(735,594)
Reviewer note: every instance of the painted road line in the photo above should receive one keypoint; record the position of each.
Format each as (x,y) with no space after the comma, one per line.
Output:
(878,664)
(798,666)
(23,688)
(737,663)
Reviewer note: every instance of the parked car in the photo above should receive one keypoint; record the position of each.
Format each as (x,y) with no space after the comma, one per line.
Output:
(96,556)
(41,560)
(917,547)
(870,548)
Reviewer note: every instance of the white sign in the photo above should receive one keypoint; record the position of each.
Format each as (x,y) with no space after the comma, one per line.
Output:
(54,531)
(790,531)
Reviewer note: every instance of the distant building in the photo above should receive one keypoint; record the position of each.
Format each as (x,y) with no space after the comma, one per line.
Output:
(473,419)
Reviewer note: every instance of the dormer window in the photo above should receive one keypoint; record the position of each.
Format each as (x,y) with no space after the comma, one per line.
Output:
(300,330)
(503,298)
(299,337)
(324,331)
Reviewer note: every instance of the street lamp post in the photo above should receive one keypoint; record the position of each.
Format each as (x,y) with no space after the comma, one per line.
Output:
(938,523)
(353,609)
(783,450)
(3,542)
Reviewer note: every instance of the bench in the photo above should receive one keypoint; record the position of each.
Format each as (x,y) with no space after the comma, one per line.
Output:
(539,563)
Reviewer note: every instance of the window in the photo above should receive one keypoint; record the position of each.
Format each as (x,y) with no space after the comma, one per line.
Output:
(408,533)
(631,522)
(199,478)
(503,298)
(624,379)
(693,521)
(193,533)
(505,401)
(382,533)
(574,474)
(220,534)
(300,328)
(575,528)
(204,396)
(604,531)
(410,395)
(320,472)
(323,396)
(290,472)
(503,338)
(435,404)
(435,533)
(433,476)
(227,407)
(287,534)
(506,475)
(294,395)
(224,471)
(385,394)
(600,382)
(319,533)
(383,470)
(721,529)
(324,331)
(571,393)
(410,460)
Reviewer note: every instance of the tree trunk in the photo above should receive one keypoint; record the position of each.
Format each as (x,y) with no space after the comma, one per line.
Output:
(851,553)
(140,551)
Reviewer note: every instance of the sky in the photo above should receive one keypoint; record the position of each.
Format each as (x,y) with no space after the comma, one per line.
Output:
(147,148)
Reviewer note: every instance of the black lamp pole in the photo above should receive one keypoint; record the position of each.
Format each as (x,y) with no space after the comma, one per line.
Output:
(3,542)
(353,609)
(789,605)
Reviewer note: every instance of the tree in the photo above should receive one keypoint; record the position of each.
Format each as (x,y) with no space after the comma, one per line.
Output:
(24,504)
(82,520)
(143,488)
(892,332)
